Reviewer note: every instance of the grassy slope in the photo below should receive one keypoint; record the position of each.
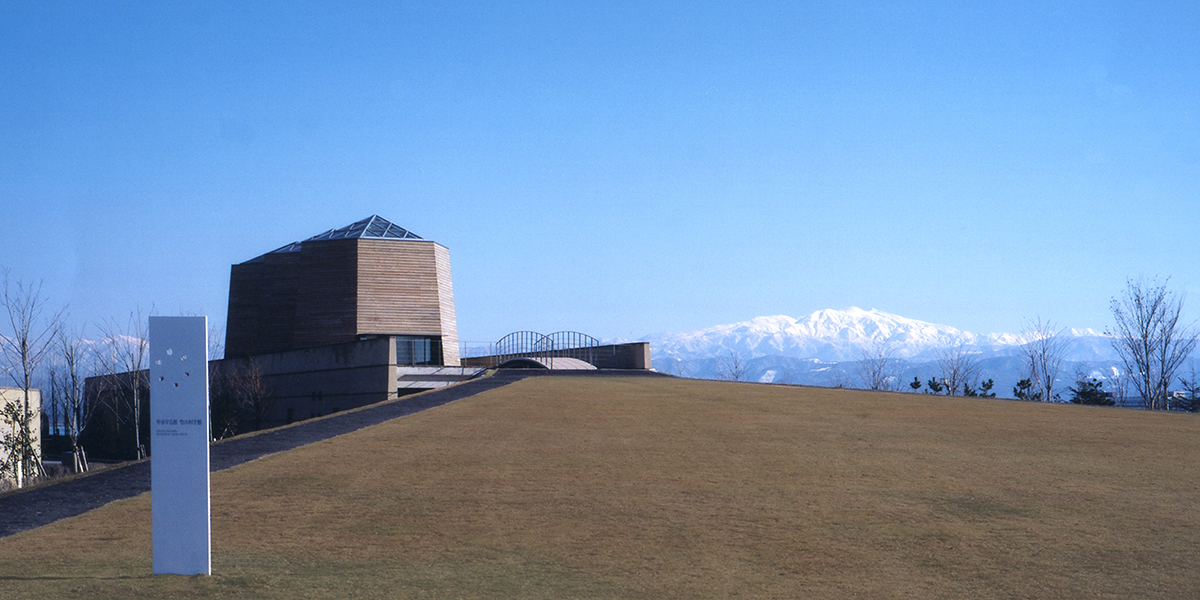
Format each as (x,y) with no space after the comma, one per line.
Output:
(556,488)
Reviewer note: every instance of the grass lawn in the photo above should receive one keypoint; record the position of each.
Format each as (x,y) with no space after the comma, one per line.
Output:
(661,488)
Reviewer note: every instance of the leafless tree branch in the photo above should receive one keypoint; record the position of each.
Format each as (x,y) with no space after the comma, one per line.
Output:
(732,367)
(878,369)
(123,360)
(960,369)
(1043,353)
(1151,339)
(31,334)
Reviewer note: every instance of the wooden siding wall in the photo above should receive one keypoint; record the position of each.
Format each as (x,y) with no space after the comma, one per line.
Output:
(404,288)
(262,305)
(326,292)
(446,301)
(333,291)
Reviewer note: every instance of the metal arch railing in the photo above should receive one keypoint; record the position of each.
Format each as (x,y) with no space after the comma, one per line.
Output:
(519,343)
(570,340)
(531,344)
(572,344)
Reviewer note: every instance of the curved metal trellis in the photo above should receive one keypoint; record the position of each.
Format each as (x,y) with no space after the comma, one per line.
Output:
(560,344)
(519,344)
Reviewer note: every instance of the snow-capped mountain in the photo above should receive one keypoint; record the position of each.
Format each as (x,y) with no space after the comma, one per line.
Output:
(825,347)
(827,335)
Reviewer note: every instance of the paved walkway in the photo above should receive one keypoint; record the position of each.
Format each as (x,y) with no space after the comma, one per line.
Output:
(42,505)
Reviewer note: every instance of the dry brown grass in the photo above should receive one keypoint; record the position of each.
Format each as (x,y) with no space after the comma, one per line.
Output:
(636,488)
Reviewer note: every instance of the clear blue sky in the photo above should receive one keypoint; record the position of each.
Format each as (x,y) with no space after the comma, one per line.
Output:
(620,168)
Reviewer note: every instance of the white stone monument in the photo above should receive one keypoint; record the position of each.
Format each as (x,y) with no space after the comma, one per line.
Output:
(179,492)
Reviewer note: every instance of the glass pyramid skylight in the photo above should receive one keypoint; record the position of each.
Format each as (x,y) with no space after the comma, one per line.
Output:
(373,227)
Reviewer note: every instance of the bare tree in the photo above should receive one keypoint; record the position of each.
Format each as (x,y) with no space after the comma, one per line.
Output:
(216,342)
(732,367)
(677,367)
(878,369)
(68,378)
(785,377)
(840,379)
(1043,353)
(672,366)
(123,361)
(238,388)
(1191,386)
(222,399)
(960,370)
(1150,339)
(32,332)
(1120,386)
(253,395)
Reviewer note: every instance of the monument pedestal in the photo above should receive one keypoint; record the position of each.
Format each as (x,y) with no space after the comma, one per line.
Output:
(179,482)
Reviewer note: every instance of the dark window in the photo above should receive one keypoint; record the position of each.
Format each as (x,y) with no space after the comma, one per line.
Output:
(418,351)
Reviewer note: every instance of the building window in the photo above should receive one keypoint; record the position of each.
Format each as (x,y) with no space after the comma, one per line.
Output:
(414,350)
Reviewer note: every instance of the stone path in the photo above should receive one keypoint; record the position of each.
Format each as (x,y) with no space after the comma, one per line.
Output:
(46,504)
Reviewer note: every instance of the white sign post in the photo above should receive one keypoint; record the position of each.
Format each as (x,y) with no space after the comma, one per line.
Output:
(179,492)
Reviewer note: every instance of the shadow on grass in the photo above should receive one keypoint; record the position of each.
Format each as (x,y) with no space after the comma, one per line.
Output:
(77,578)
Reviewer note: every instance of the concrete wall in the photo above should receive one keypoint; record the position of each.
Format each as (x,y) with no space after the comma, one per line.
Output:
(107,434)
(635,355)
(312,382)
(269,390)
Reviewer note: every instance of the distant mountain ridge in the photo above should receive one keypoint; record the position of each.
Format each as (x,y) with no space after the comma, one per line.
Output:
(807,347)
(836,335)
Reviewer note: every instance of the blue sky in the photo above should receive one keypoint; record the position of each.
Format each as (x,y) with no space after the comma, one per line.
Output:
(619,169)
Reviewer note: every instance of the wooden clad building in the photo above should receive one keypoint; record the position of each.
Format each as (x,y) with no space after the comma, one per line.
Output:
(347,318)
(367,280)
